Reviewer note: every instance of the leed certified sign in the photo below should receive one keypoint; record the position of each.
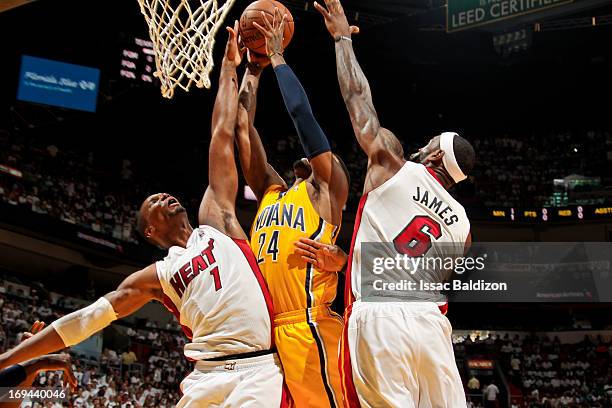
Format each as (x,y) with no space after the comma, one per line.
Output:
(462,14)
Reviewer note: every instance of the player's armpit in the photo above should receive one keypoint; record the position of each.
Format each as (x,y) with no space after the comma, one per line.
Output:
(220,214)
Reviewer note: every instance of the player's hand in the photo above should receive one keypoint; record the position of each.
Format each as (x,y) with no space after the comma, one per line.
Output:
(257,62)
(335,19)
(273,32)
(53,362)
(233,52)
(323,256)
(36,327)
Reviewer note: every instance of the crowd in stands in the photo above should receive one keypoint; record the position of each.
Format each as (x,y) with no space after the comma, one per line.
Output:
(540,372)
(519,172)
(511,171)
(147,373)
(544,372)
(63,184)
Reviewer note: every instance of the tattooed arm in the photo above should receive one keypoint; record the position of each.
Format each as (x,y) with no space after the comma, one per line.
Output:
(383,149)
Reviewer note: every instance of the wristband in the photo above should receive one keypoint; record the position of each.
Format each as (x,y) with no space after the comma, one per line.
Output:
(343,37)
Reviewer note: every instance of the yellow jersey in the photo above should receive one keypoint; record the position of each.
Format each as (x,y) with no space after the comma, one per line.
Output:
(283,217)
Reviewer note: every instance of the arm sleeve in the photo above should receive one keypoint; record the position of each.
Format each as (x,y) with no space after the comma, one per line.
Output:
(12,376)
(310,133)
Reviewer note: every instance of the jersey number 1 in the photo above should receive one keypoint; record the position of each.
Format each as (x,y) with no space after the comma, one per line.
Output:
(415,238)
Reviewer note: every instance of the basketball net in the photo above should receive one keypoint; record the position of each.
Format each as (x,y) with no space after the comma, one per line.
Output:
(183,35)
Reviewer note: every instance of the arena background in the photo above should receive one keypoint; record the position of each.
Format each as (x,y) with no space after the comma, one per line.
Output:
(531,93)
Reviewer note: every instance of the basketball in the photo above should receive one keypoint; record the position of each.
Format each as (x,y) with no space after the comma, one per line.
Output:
(250,35)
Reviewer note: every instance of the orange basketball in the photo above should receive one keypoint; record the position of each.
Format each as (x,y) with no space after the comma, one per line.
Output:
(251,37)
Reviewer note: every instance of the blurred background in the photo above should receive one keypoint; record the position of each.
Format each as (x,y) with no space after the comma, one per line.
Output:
(530,91)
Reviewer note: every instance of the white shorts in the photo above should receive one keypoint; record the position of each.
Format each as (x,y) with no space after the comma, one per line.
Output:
(401,355)
(249,382)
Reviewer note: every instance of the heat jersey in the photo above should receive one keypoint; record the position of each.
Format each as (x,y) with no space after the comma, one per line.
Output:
(283,217)
(218,294)
(412,214)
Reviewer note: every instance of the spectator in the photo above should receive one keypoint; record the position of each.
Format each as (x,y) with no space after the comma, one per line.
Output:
(490,395)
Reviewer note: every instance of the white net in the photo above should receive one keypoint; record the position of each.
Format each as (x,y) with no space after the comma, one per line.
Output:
(183,34)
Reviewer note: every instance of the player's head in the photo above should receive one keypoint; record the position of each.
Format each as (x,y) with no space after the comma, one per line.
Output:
(302,169)
(160,217)
(448,151)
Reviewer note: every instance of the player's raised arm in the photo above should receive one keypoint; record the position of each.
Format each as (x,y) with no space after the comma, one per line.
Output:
(133,293)
(376,141)
(218,207)
(253,158)
(325,167)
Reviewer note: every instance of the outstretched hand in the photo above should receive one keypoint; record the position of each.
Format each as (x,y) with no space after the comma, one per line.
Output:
(273,32)
(58,362)
(36,327)
(323,256)
(233,52)
(335,19)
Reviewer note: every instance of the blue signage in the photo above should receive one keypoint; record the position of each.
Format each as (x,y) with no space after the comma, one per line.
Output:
(58,83)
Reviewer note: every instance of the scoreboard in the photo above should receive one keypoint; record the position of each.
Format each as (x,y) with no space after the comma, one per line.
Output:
(138,61)
(546,214)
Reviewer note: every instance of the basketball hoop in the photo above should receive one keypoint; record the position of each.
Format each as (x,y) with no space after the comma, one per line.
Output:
(183,35)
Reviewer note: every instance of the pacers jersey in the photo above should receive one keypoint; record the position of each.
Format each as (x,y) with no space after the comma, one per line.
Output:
(411,214)
(218,294)
(283,217)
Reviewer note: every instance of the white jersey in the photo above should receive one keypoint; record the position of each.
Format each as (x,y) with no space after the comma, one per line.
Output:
(215,289)
(415,214)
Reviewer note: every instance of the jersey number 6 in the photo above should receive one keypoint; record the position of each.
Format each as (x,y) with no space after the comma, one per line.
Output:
(415,238)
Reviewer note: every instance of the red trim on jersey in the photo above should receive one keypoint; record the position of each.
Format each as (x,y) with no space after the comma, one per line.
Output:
(250,257)
(351,400)
(348,291)
(286,400)
(433,173)
(443,308)
(172,308)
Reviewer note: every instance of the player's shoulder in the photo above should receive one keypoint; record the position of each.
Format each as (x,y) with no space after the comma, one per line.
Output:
(273,190)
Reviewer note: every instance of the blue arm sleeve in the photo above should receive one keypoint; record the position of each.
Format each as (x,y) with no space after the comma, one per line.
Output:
(310,133)
(12,376)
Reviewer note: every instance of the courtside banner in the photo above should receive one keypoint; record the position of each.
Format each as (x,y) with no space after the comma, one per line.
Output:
(463,14)
(578,272)
(58,83)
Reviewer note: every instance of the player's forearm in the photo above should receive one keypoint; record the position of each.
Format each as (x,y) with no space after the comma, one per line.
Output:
(226,106)
(247,96)
(313,139)
(45,342)
(357,96)
(352,80)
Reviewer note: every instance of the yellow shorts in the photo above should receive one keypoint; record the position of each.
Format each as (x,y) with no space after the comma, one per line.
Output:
(308,348)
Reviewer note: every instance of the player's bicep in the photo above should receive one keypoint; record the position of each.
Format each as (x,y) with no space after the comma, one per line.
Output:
(222,171)
(327,169)
(365,122)
(135,291)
